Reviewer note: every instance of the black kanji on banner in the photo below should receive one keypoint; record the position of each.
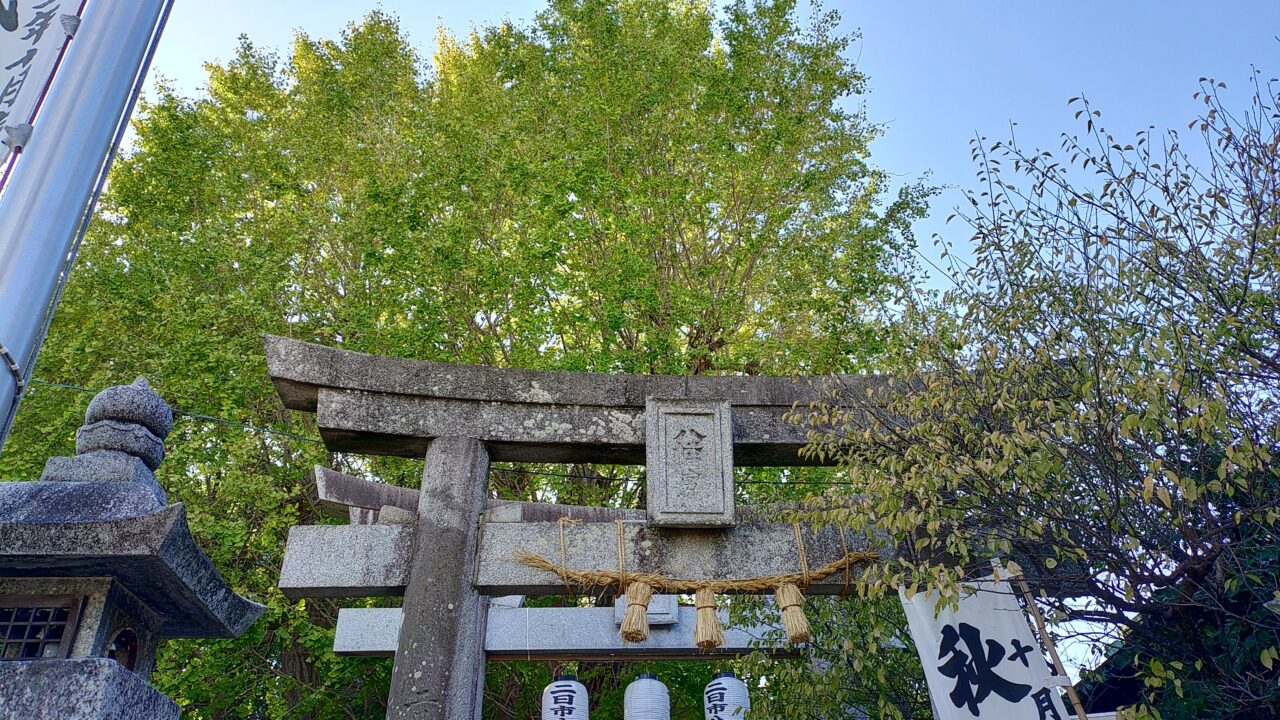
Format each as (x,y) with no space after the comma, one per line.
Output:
(974,670)
(1044,705)
(9,15)
(18,67)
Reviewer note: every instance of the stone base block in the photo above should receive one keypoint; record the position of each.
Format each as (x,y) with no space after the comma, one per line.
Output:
(79,689)
(48,503)
(104,466)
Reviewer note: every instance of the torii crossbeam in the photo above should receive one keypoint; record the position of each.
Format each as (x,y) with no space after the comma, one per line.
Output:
(688,431)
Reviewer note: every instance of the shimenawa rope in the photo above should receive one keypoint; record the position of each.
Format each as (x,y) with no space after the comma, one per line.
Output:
(638,589)
(568,589)
(635,621)
(661,583)
(844,546)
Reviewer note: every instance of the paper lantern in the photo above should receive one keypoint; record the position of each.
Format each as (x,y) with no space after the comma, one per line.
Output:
(726,698)
(565,699)
(646,699)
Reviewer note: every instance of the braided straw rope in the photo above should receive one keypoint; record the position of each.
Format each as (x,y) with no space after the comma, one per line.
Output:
(804,560)
(664,584)
(638,588)
(635,621)
(844,545)
(791,601)
(568,589)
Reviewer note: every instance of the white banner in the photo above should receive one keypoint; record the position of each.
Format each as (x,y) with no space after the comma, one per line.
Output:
(982,660)
(32,34)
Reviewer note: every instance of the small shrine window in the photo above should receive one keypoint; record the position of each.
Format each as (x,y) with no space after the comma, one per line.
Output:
(124,648)
(33,627)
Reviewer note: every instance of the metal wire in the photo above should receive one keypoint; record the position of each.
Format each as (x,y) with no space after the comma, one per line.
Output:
(190,414)
(521,471)
(573,476)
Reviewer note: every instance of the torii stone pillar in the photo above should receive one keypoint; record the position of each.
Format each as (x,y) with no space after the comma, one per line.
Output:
(439,666)
(690,431)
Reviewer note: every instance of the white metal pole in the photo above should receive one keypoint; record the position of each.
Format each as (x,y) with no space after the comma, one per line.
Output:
(53,181)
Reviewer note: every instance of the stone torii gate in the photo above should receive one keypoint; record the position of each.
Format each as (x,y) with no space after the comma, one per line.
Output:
(447,547)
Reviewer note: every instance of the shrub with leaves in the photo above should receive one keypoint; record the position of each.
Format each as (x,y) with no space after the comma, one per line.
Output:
(1098,398)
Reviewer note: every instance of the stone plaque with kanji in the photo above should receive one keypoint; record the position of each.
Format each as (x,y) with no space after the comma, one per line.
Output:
(689,458)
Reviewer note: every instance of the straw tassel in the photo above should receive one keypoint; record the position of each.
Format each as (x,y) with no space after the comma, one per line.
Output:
(635,623)
(707,633)
(791,601)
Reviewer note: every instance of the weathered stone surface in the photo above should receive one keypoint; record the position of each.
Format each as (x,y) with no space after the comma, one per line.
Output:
(385,424)
(372,560)
(689,463)
(439,664)
(338,491)
(121,441)
(511,511)
(124,437)
(300,369)
(392,515)
(72,502)
(352,498)
(136,403)
(78,689)
(382,405)
(96,527)
(346,560)
(561,634)
(94,590)
(122,609)
(501,511)
(152,555)
(751,549)
(367,632)
(579,633)
(104,466)
(661,610)
(105,608)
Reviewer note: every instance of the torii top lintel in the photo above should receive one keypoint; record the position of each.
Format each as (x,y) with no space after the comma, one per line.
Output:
(382,405)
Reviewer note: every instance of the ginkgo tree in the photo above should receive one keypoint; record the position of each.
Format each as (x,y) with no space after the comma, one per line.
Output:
(614,185)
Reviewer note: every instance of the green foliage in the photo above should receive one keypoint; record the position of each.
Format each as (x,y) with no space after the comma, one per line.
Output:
(1098,400)
(860,659)
(717,173)
(629,185)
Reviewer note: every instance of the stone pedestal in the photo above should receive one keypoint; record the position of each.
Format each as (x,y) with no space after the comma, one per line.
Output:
(82,688)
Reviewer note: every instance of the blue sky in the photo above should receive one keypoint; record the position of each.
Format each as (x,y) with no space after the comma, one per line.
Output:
(939,72)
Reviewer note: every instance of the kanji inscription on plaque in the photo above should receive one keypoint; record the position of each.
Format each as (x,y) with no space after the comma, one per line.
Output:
(689,458)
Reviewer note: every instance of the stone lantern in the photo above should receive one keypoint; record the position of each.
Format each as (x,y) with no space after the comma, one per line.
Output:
(96,567)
